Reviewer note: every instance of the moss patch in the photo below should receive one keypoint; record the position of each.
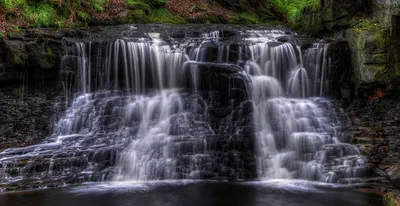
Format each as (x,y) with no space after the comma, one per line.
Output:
(292,10)
(391,200)
(47,60)
(379,58)
(244,18)
(310,20)
(163,16)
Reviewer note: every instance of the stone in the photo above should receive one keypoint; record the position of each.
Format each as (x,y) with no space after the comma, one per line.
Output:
(394,175)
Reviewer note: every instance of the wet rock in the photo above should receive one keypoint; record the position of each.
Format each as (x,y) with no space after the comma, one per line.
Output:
(394,175)
(377,135)
(26,117)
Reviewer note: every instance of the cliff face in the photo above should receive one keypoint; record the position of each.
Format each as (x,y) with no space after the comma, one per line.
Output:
(29,74)
(371,28)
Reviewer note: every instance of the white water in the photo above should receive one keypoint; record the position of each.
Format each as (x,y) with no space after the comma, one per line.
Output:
(295,133)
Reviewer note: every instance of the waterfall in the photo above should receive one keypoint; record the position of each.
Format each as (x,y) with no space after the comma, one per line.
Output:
(297,137)
(203,107)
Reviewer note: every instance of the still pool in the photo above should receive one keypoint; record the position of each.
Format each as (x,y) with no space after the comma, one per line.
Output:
(194,193)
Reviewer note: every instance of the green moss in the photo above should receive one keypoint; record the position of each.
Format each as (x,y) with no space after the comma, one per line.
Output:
(98,5)
(390,199)
(157,3)
(19,91)
(16,59)
(163,16)
(367,25)
(139,16)
(244,18)
(140,5)
(310,20)
(292,9)
(41,15)
(385,75)
(379,58)
(84,16)
(15,30)
(11,4)
(47,60)
(2,36)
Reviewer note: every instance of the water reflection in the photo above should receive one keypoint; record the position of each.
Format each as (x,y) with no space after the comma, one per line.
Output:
(194,193)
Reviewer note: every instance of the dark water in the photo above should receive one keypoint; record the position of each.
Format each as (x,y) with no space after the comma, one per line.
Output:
(194,193)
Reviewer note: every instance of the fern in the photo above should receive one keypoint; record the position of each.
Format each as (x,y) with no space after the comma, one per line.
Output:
(98,5)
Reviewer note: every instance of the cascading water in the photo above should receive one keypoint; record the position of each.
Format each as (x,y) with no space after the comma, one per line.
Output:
(152,108)
(297,137)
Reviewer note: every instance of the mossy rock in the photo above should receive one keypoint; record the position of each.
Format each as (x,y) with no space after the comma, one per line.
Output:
(17,54)
(375,42)
(386,75)
(390,199)
(310,21)
(47,59)
(372,72)
(380,58)
(45,55)
(368,42)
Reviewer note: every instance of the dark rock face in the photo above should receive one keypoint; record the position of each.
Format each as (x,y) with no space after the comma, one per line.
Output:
(394,46)
(368,26)
(374,129)
(26,117)
(338,13)
(232,120)
(333,15)
(31,58)
(341,72)
(29,73)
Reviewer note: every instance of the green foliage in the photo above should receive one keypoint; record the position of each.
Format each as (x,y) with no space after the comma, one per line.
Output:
(390,199)
(14,30)
(84,16)
(163,16)
(147,4)
(140,16)
(244,18)
(41,15)
(157,3)
(140,5)
(98,5)
(292,8)
(2,36)
(368,25)
(11,4)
